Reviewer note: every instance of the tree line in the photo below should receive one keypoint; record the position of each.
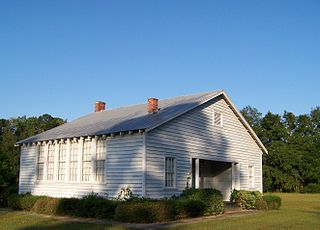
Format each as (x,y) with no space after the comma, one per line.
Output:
(293,143)
(13,130)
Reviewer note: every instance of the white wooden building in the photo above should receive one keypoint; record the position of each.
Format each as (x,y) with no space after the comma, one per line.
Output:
(157,149)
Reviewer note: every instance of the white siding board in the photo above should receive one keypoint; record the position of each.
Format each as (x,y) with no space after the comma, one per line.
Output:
(193,135)
(123,168)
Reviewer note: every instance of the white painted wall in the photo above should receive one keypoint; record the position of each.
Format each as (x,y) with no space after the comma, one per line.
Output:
(192,135)
(123,168)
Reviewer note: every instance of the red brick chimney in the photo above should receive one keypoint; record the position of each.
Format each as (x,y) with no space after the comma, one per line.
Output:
(152,105)
(99,106)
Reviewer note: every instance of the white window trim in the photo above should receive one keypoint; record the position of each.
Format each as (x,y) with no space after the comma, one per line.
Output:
(251,176)
(62,145)
(213,118)
(55,147)
(42,162)
(103,158)
(175,173)
(82,153)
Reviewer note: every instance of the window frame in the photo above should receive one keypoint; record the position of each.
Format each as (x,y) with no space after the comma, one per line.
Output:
(251,176)
(62,161)
(174,173)
(74,160)
(86,160)
(100,157)
(41,150)
(214,118)
(50,162)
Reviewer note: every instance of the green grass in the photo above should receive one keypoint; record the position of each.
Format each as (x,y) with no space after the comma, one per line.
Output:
(298,211)
(28,221)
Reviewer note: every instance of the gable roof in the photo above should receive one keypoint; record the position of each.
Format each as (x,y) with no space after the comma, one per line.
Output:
(132,118)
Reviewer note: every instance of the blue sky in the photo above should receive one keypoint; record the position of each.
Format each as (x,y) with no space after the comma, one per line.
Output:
(58,57)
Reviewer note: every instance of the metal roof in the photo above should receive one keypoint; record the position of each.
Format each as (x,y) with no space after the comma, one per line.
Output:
(129,118)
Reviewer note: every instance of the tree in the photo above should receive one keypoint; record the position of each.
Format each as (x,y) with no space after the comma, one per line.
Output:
(16,129)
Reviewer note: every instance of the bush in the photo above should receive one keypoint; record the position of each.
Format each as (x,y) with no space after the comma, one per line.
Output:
(22,202)
(94,205)
(145,212)
(189,208)
(69,206)
(261,205)
(5,193)
(272,201)
(212,199)
(46,205)
(245,199)
(311,188)
(91,205)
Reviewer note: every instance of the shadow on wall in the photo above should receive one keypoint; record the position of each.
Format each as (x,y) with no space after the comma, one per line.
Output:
(191,135)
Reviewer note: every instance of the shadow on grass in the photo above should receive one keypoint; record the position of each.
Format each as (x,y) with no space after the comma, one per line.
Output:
(70,226)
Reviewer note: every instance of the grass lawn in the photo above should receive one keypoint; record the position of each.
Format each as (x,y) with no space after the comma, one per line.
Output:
(298,211)
(27,221)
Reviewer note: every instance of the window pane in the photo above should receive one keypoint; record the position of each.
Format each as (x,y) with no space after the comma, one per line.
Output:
(74,161)
(62,161)
(86,161)
(169,172)
(50,164)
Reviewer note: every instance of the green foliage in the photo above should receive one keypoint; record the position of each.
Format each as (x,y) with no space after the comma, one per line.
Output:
(293,143)
(245,199)
(272,201)
(145,212)
(22,202)
(5,193)
(11,131)
(46,205)
(212,199)
(94,205)
(91,205)
(311,188)
(194,208)
(261,205)
(69,206)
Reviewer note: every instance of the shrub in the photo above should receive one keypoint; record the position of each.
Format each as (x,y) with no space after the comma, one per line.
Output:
(94,205)
(145,212)
(46,205)
(68,206)
(245,199)
(5,193)
(212,199)
(272,201)
(190,208)
(261,205)
(311,188)
(22,202)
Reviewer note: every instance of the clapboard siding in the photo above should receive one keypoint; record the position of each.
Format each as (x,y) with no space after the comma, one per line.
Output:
(27,174)
(123,168)
(193,135)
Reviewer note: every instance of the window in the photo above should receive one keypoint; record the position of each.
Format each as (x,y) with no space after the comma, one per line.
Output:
(74,161)
(169,172)
(50,165)
(40,162)
(100,160)
(62,161)
(86,161)
(217,118)
(251,176)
